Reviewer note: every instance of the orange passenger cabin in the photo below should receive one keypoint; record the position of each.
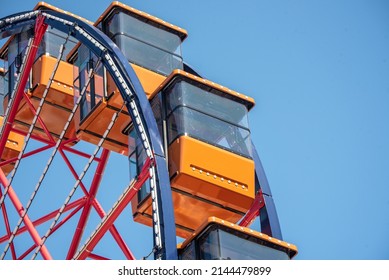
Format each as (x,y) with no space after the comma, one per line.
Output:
(15,141)
(153,48)
(217,239)
(60,98)
(206,132)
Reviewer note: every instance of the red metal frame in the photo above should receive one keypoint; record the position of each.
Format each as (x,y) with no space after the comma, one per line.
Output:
(253,212)
(7,227)
(88,205)
(79,207)
(112,216)
(40,29)
(20,209)
(84,204)
(48,217)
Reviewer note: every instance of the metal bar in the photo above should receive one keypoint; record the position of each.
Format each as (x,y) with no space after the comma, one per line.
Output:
(27,154)
(100,211)
(123,201)
(25,254)
(47,217)
(19,208)
(88,205)
(79,179)
(41,122)
(268,214)
(97,257)
(63,144)
(166,215)
(253,212)
(78,153)
(40,29)
(35,137)
(7,227)
(64,220)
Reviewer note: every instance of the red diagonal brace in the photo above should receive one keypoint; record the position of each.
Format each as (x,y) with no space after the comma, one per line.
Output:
(40,29)
(254,210)
(100,211)
(8,228)
(112,215)
(88,205)
(20,209)
(48,217)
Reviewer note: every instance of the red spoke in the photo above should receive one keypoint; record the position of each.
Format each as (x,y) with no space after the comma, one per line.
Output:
(7,227)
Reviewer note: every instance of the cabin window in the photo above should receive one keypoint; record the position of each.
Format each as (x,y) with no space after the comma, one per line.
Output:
(50,45)
(220,243)
(145,44)
(52,42)
(16,50)
(87,61)
(235,247)
(189,253)
(3,90)
(207,116)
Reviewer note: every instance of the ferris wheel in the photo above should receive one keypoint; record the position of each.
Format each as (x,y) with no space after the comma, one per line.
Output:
(104,123)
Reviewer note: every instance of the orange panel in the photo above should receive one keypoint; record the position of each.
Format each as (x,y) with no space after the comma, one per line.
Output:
(12,149)
(58,103)
(206,181)
(54,117)
(95,124)
(148,79)
(212,173)
(61,89)
(189,211)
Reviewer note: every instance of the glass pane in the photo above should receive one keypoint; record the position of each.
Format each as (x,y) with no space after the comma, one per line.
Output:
(85,106)
(148,56)
(95,90)
(189,253)
(2,92)
(17,48)
(233,247)
(139,157)
(184,93)
(2,85)
(156,106)
(52,41)
(83,56)
(122,23)
(186,121)
(13,50)
(209,246)
(16,51)
(11,77)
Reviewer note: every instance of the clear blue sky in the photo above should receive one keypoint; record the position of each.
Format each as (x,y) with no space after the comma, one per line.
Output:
(319,72)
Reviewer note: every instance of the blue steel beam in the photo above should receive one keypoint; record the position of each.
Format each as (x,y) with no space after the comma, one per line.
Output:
(268,214)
